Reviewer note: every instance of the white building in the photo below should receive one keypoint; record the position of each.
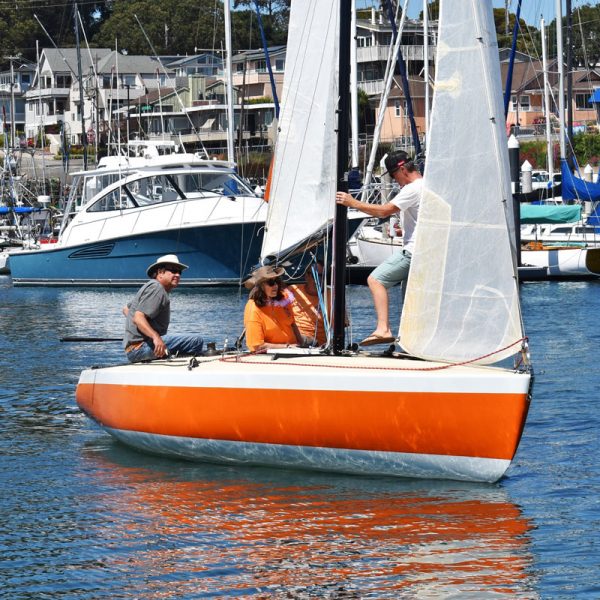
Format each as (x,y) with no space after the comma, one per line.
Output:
(110,81)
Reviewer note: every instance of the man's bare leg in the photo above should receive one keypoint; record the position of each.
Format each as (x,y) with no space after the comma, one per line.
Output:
(381,303)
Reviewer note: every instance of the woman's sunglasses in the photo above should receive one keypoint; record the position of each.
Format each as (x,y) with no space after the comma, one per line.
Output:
(272,282)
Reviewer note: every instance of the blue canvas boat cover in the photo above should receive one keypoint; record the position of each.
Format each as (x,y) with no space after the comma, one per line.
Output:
(19,210)
(595,97)
(541,214)
(574,188)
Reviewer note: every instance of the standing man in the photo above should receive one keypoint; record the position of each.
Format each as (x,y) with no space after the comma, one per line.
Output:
(394,269)
(149,313)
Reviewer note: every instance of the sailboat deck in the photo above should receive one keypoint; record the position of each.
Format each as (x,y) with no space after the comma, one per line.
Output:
(366,371)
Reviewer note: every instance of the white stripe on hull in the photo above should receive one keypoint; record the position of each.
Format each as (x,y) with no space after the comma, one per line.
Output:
(355,462)
(371,374)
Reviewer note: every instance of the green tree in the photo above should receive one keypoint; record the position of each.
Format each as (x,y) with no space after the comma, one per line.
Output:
(586,41)
(182,26)
(19,30)
(173,26)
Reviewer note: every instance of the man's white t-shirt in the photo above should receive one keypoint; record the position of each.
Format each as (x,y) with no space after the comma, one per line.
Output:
(408,200)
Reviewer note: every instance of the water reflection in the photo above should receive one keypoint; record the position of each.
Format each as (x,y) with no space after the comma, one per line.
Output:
(214,530)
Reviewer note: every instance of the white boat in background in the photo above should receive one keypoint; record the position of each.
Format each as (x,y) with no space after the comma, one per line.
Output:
(440,410)
(118,220)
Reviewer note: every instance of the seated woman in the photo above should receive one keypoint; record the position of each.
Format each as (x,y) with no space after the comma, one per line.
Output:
(268,316)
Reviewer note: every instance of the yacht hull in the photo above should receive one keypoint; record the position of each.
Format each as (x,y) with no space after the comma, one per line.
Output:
(217,254)
(361,415)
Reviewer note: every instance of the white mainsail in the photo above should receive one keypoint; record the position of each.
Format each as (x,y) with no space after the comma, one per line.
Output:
(302,197)
(462,295)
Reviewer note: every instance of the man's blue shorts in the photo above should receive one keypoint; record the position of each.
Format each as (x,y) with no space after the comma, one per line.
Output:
(393,269)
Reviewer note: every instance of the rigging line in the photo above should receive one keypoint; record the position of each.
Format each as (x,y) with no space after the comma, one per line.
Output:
(157,57)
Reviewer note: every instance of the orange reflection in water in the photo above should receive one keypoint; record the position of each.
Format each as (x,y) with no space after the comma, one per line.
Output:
(217,530)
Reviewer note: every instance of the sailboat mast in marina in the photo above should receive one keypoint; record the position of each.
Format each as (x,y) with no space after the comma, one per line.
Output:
(445,409)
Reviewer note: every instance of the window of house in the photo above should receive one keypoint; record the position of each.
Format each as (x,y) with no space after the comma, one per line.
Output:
(524,103)
(63,81)
(363,41)
(513,103)
(581,102)
(261,66)
(25,78)
(239,67)
(128,80)
(109,82)
(397,108)
(280,64)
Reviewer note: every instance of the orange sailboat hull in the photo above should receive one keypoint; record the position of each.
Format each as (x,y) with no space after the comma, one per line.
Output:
(367,416)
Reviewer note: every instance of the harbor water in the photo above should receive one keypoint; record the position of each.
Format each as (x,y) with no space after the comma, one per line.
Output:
(83,517)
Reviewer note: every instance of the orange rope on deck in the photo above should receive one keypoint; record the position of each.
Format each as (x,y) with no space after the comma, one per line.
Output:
(239,358)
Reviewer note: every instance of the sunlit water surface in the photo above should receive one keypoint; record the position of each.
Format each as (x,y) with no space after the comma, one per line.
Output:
(83,517)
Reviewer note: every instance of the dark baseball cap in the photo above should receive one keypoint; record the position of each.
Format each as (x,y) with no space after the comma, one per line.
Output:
(394,160)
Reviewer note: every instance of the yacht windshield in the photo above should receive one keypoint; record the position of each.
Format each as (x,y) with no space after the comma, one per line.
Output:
(171,186)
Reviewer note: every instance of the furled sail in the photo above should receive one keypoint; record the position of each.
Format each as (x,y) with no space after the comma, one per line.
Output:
(462,295)
(302,194)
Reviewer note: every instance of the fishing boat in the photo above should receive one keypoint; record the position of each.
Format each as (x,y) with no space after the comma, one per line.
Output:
(444,407)
(117,220)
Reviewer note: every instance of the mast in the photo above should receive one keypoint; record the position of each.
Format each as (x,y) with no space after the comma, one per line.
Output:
(230,117)
(354,90)
(267,59)
(80,78)
(569,71)
(404,79)
(426,63)
(341,212)
(511,63)
(547,102)
(561,78)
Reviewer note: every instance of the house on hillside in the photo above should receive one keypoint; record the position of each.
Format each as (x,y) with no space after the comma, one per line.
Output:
(526,107)
(49,104)
(110,81)
(251,75)
(13,87)
(206,64)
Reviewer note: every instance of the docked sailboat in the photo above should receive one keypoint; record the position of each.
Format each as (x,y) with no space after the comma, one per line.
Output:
(439,409)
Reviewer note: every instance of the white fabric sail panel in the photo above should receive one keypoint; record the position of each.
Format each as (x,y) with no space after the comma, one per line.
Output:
(302,197)
(462,295)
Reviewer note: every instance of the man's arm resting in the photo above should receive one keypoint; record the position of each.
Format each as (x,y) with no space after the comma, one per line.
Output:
(144,327)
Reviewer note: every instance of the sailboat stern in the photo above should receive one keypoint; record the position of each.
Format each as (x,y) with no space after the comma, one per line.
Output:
(320,413)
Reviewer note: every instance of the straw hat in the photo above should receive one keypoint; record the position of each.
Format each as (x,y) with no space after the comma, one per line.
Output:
(263,274)
(167,259)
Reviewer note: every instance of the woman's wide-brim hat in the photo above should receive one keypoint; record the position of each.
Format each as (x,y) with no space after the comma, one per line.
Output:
(167,259)
(263,274)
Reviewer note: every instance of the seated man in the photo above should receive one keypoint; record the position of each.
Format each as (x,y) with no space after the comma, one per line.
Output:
(149,313)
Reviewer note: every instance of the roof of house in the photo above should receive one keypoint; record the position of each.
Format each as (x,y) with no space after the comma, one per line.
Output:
(196,58)
(130,63)
(257,54)
(56,58)
(155,95)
